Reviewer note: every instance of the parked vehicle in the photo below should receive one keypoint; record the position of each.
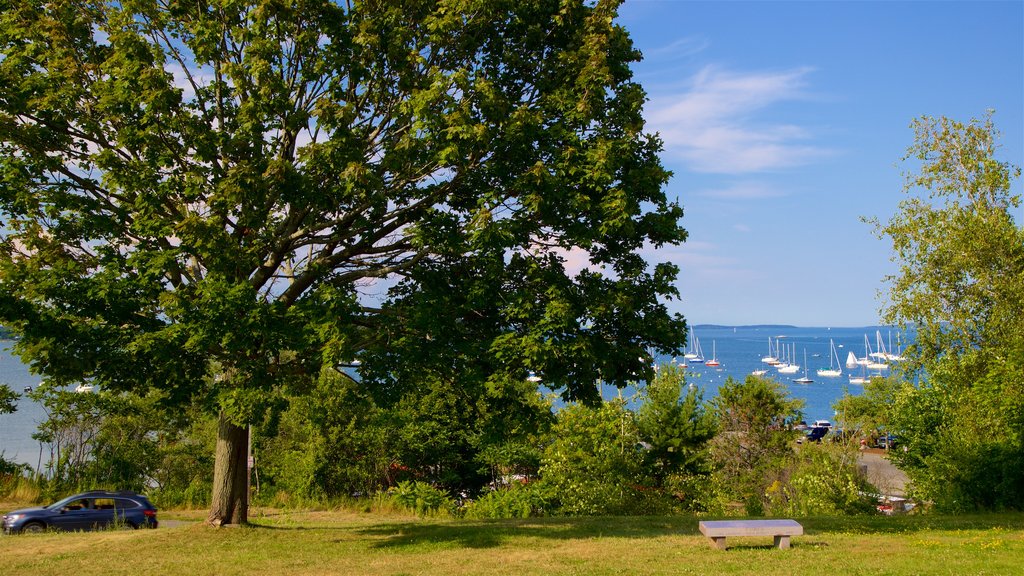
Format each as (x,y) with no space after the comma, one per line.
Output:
(816,433)
(887,441)
(85,511)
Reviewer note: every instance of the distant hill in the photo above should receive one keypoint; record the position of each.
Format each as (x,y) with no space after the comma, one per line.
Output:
(758,326)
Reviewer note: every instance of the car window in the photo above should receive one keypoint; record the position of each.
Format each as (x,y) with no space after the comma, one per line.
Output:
(80,504)
(125,504)
(103,503)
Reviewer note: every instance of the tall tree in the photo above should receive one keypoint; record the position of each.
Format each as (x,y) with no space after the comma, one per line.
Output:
(219,198)
(961,286)
(755,444)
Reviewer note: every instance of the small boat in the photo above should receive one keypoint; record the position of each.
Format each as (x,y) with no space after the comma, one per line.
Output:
(84,388)
(791,367)
(714,363)
(695,355)
(834,370)
(870,359)
(28,389)
(770,359)
(760,372)
(805,379)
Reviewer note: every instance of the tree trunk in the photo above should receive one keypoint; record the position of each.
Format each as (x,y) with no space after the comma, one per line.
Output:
(230,500)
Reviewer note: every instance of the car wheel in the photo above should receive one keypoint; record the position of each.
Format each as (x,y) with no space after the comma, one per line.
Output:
(33,528)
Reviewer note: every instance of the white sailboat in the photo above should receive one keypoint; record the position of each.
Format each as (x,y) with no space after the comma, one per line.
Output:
(851,360)
(769,359)
(792,367)
(714,363)
(805,379)
(871,358)
(695,355)
(834,369)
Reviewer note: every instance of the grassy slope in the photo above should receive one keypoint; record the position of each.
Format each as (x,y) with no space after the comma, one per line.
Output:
(348,543)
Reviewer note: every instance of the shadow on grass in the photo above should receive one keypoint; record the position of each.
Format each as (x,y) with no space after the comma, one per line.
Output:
(492,533)
(482,534)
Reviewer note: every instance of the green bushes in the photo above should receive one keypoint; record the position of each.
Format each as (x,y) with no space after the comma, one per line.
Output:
(422,498)
(514,501)
(334,445)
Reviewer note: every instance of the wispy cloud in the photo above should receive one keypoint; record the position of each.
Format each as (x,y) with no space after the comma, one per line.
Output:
(745,190)
(700,261)
(714,123)
(681,48)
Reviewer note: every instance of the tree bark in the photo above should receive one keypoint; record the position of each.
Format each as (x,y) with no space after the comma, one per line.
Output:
(229,503)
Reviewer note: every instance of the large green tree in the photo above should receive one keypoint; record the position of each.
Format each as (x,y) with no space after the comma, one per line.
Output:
(961,287)
(755,443)
(218,199)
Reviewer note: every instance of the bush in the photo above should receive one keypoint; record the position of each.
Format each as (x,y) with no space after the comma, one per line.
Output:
(593,465)
(422,498)
(824,480)
(515,501)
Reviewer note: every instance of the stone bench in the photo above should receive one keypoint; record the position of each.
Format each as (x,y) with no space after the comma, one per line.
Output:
(718,530)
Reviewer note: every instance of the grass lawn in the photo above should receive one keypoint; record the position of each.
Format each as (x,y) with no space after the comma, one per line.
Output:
(338,542)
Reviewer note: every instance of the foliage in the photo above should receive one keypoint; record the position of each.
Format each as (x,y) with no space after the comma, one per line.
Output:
(961,285)
(754,446)
(824,481)
(675,424)
(338,441)
(869,412)
(119,441)
(8,399)
(195,197)
(593,464)
(517,500)
(422,498)
(331,442)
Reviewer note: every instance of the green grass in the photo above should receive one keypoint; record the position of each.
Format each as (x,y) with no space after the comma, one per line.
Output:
(312,543)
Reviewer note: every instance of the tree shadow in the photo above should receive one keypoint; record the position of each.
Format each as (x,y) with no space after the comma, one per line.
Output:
(492,533)
(478,534)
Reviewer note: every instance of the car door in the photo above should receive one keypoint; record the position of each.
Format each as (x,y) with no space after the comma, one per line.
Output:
(75,515)
(103,513)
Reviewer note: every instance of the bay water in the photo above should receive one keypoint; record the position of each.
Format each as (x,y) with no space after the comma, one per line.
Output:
(739,350)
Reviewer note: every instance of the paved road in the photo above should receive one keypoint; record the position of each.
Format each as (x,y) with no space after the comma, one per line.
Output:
(882,473)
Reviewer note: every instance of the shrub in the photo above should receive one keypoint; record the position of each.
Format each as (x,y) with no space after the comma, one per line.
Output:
(515,501)
(824,480)
(422,498)
(593,465)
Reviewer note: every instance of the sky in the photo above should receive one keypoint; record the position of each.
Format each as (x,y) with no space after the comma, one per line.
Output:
(785,123)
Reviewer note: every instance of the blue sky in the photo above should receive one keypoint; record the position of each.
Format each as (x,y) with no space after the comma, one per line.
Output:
(785,122)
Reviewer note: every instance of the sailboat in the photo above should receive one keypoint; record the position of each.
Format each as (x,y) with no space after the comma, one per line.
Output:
(834,369)
(805,379)
(791,368)
(851,360)
(769,359)
(862,379)
(870,358)
(714,363)
(863,362)
(695,355)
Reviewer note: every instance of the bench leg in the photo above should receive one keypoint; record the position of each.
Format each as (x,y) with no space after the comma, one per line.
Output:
(717,542)
(782,542)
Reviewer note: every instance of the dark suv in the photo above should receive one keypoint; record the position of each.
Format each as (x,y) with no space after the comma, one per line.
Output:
(85,511)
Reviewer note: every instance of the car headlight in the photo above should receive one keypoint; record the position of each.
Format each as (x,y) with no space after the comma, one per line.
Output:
(13,517)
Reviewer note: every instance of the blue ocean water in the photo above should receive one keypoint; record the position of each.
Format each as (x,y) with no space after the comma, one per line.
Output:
(16,429)
(739,349)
